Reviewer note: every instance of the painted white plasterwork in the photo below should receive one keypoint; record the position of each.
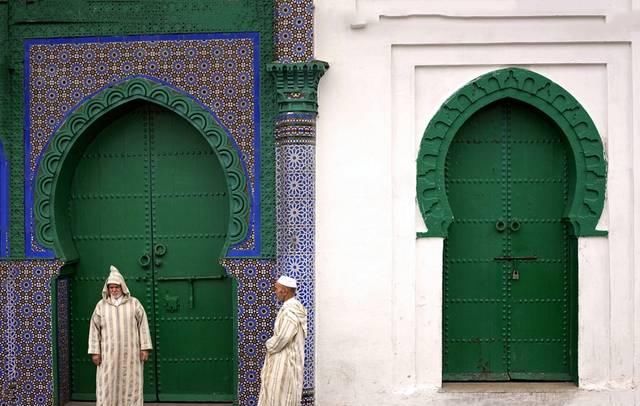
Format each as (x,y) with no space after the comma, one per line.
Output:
(379,290)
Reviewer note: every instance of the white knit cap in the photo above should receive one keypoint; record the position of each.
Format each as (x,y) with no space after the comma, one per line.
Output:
(287,281)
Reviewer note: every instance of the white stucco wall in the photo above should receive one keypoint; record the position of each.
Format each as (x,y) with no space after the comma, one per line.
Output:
(379,290)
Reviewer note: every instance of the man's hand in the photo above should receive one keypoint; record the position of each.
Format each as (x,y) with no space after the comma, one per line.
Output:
(144,355)
(96,359)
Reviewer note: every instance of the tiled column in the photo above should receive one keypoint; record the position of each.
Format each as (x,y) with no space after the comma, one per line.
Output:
(295,189)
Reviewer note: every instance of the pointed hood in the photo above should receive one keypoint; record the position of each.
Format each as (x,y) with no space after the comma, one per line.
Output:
(115,277)
(296,311)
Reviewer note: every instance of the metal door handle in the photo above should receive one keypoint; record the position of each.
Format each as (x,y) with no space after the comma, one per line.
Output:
(159,250)
(515,225)
(144,260)
(522,258)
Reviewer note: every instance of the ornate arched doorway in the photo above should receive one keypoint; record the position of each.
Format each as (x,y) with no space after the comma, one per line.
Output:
(510,171)
(158,192)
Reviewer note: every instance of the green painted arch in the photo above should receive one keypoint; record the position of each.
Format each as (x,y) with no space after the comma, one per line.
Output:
(58,160)
(589,164)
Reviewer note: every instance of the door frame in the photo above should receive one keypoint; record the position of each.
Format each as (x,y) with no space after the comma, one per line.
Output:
(65,148)
(588,167)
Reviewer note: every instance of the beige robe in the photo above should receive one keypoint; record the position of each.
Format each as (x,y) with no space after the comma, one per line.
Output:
(283,371)
(118,334)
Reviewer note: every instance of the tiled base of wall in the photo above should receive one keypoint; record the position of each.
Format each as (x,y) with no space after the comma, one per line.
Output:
(26,348)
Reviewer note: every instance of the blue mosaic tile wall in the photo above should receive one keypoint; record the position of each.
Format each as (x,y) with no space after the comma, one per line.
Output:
(294,30)
(26,350)
(257,310)
(64,349)
(220,71)
(5,310)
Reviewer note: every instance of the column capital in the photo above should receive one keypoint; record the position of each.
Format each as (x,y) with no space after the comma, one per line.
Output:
(297,85)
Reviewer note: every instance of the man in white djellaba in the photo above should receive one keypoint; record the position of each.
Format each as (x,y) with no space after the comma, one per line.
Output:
(282,373)
(119,344)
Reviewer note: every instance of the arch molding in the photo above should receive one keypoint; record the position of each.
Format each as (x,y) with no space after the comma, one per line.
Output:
(589,163)
(55,159)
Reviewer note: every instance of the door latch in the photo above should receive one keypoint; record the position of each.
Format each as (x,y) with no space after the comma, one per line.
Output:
(515,275)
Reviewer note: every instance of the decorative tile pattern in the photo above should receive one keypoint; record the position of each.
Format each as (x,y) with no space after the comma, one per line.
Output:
(308,398)
(295,213)
(294,30)
(290,127)
(220,71)
(64,355)
(3,343)
(4,204)
(257,309)
(26,342)
(25,302)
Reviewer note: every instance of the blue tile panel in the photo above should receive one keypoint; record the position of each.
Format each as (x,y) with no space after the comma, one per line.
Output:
(295,214)
(64,349)
(257,309)
(26,350)
(219,71)
(294,30)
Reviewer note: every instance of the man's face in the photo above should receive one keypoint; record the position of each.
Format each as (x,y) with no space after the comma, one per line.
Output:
(115,290)
(280,291)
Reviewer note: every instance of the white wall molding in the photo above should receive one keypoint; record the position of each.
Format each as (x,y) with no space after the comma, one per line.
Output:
(386,82)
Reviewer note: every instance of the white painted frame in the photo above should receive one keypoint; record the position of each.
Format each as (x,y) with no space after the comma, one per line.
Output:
(379,289)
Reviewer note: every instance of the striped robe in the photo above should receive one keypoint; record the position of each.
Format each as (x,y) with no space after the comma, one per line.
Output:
(119,333)
(282,373)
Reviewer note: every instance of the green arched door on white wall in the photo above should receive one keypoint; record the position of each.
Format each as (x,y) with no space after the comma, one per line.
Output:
(510,276)
(149,196)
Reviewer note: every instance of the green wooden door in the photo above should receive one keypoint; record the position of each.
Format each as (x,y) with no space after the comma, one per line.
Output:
(149,196)
(509,279)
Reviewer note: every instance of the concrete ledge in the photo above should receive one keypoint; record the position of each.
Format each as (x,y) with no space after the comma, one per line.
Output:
(508,387)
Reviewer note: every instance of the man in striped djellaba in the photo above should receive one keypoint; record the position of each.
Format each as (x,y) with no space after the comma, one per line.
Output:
(282,373)
(119,344)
